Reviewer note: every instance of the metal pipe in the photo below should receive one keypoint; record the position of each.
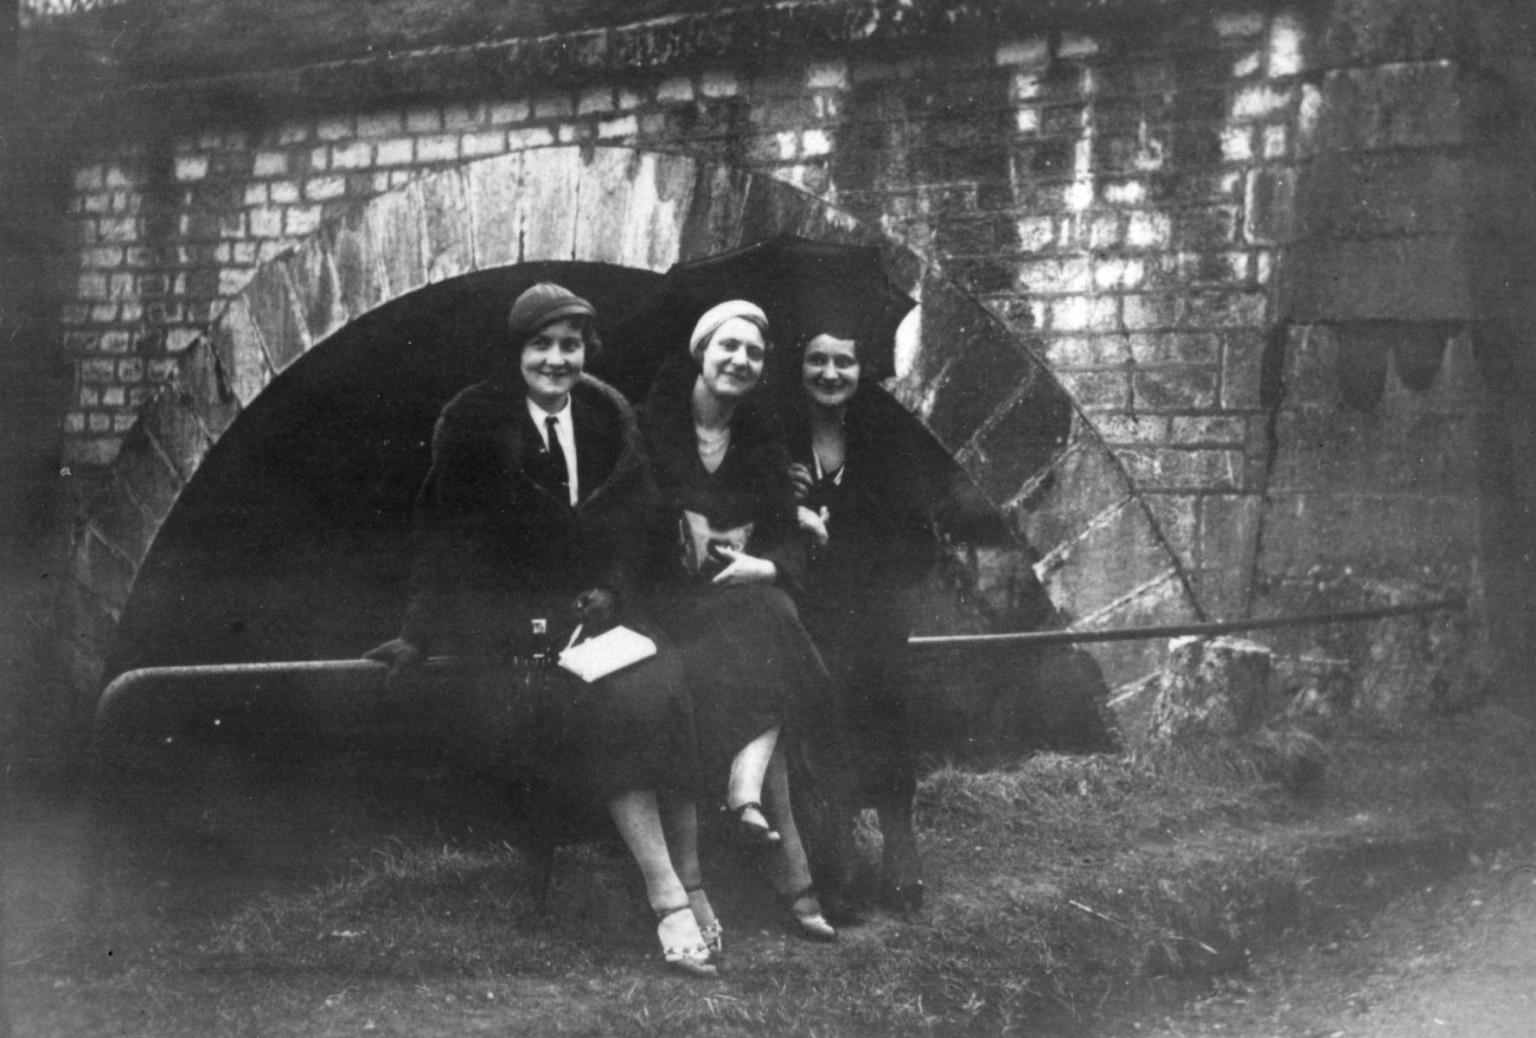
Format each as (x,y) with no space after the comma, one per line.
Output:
(1124,634)
(348,677)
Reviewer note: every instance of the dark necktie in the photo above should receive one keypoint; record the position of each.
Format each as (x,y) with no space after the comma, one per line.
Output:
(557,466)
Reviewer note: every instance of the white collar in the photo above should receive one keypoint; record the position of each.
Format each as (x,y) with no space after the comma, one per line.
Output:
(538,414)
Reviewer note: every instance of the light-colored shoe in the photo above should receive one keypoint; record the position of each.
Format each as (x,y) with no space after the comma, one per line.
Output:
(682,946)
(806,909)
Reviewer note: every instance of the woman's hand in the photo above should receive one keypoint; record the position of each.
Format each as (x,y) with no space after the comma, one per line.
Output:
(403,658)
(741,568)
(814,524)
(801,477)
(596,607)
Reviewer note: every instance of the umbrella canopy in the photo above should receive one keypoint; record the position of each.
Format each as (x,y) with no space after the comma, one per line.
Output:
(804,286)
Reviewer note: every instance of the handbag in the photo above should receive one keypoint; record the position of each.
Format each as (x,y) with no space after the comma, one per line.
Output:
(701,539)
(599,656)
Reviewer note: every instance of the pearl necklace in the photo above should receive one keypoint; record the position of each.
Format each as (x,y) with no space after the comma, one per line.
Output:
(712,444)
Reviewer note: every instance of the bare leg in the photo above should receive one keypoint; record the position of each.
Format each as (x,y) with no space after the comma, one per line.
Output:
(638,819)
(745,789)
(680,821)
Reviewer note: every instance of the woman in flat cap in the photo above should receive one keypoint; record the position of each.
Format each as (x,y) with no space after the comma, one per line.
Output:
(531,520)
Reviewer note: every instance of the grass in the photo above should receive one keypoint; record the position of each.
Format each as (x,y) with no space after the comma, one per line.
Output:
(1060,890)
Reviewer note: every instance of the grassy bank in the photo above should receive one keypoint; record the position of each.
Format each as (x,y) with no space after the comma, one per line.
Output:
(1059,891)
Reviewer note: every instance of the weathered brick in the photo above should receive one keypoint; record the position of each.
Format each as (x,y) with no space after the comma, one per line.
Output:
(379,124)
(1175,388)
(270,164)
(501,113)
(595,100)
(553,106)
(1033,52)
(437,149)
(487,142)
(357,155)
(191,167)
(719,83)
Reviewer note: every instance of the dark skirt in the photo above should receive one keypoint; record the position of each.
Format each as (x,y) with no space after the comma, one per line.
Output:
(749,663)
(586,743)
(862,636)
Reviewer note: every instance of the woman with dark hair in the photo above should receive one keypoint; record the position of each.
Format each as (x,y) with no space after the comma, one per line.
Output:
(857,474)
(531,521)
(726,553)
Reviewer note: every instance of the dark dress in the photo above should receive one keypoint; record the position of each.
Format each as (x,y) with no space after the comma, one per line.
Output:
(858,600)
(749,662)
(497,550)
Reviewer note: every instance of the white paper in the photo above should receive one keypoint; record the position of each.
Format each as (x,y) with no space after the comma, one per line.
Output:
(610,651)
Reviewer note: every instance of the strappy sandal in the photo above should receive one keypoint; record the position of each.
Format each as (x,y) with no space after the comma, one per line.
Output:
(682,949)
(711,932)
(813,925)
(751,834)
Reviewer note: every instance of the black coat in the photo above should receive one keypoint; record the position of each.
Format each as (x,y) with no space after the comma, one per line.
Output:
(495,548)
(880,521)
(749,663)
(751,485)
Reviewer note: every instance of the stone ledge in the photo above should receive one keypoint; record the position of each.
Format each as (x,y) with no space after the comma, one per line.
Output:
(748,34)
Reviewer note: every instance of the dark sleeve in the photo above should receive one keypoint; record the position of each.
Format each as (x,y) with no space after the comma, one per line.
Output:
(449,528)
(779,540)
(632,533)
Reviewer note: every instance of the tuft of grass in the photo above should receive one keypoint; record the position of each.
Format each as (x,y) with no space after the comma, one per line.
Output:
(1059,888)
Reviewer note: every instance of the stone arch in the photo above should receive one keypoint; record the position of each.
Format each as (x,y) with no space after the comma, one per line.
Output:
(967,378)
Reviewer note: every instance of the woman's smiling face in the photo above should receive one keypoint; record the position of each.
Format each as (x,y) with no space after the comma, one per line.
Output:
(830,370)
(732,363)
(551,362)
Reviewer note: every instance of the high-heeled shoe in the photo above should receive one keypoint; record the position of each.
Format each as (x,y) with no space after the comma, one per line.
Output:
(681,944)
(712,933)
(806,908)
(750,833)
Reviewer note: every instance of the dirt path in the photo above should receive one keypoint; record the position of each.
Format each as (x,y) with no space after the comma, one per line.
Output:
(1456,960)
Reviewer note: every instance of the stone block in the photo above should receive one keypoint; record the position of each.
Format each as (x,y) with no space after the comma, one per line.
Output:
(1174,387)
(1391,194)
(1083,484)
(982,368)
(397,239)
(1388,534)
(201,377)
(447,226)
(1417,105)
(276,314)
(1270,211)
(1211,688)
(1120,552)
(1242,370)
(1228,542)
(316,285)
(177,430)
(1021,444)
(494,186)
(1421,278)
(242,356)
(632,208)
(547,204)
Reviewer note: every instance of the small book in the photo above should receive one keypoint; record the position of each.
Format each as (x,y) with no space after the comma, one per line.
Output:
(613,650)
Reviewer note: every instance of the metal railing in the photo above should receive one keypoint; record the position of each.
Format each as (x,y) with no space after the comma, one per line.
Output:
(348,679)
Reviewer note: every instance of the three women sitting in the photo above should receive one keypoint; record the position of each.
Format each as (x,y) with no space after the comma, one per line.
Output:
(539,512)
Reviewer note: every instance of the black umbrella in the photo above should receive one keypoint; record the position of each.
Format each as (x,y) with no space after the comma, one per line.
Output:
(804,286)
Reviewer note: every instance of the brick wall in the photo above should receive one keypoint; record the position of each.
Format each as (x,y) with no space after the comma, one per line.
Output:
(1214,228)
